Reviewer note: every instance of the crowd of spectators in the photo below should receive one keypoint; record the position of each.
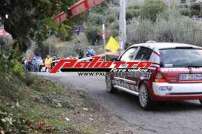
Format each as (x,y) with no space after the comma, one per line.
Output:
(37,64)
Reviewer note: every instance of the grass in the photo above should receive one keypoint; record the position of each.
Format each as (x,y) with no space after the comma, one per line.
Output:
(41,104)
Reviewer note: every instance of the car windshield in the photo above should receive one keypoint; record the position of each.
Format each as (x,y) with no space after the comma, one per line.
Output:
(181,57)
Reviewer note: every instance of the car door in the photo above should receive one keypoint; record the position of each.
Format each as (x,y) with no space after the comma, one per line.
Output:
(120,77)
(135,77)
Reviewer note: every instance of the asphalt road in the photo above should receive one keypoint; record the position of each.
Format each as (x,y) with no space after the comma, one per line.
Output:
(167,118)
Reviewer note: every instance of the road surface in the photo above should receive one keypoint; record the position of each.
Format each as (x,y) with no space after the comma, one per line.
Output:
(167,118)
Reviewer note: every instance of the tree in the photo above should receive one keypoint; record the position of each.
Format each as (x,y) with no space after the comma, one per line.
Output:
(28,16)
(152,8)
(132,11)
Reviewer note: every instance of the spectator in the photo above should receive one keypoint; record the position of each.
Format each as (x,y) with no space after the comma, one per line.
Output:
(48,62)
(34,64)
(25,63)
(90,52)
(39,63)
(80,53)
(29,64)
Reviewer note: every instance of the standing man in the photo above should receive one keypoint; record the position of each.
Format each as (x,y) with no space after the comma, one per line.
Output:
(80,53)
(48,62)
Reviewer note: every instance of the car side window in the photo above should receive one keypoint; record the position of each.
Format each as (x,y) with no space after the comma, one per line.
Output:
(129,54)
(143,54)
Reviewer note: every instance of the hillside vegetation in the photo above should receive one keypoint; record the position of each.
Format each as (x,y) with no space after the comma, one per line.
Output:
(36,106)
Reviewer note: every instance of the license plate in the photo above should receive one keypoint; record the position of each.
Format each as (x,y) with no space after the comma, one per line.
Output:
(187,77)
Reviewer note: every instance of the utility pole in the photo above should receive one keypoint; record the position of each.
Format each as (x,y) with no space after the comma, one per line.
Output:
(104,34)
(122,24)
(104,37)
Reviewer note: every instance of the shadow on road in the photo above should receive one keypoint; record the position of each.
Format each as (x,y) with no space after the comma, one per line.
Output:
(174,106)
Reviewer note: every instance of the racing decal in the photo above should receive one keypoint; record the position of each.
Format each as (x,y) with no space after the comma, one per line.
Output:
(97,63)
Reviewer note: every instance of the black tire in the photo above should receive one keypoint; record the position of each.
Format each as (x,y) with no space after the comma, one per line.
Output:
(109,86)
(200,101)
(145,101)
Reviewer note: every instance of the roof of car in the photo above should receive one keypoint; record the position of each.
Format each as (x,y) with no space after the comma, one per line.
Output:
(164,45)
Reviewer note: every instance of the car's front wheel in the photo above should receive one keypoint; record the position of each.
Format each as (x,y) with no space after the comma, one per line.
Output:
(144,97)
(109,86)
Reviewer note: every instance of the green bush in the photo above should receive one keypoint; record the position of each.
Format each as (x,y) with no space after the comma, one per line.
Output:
(140,30)
(95,18)
(10,123)
(170,26)
(115,27)
(152,8)
(111,18)
(185,12)
(132,12)
(18,69)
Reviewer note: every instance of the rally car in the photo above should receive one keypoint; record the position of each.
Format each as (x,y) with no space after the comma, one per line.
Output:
(175,73)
